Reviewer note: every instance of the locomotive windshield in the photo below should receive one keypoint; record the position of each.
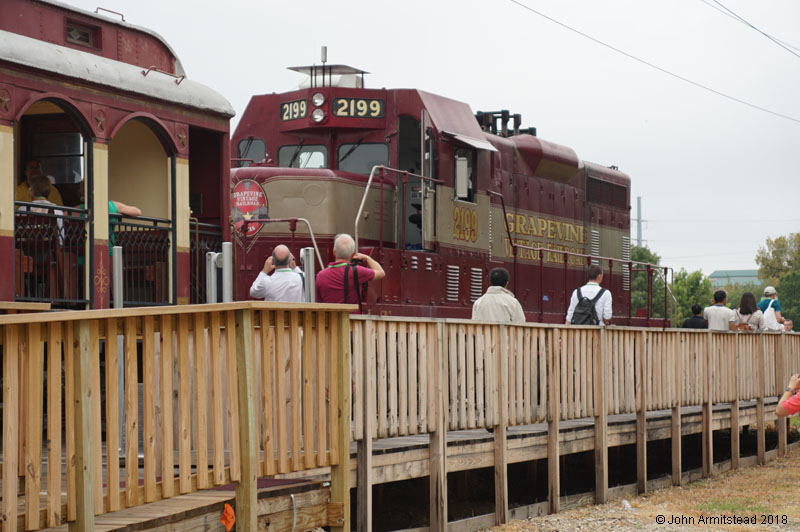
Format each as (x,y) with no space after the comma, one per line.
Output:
(250,148)
(360,158)
(303,156)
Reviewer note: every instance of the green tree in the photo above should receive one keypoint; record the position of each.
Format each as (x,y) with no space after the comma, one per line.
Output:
(690,288)
(789,296)
(736,290)
(639,283)
(778,257)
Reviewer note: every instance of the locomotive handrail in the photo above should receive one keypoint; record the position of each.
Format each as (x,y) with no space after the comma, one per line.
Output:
(649,268)
(369,183)
(289,221)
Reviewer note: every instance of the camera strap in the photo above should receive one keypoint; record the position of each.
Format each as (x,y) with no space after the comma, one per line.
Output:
(355,282)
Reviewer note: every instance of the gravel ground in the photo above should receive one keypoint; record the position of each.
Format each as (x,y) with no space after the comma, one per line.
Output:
(758,493)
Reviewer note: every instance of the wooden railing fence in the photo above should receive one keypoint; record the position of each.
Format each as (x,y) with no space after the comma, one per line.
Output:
(186,396)
(417,376)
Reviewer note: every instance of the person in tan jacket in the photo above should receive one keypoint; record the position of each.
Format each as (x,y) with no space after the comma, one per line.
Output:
(498,304)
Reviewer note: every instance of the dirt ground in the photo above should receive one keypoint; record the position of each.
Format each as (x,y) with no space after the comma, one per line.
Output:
(768,496)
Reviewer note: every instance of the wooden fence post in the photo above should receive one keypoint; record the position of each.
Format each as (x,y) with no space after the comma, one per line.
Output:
(780,382)
(438,443)
(11,425)
(676,411)
(84,520)
(641,414)
(340,473)
(500,458)
(600,419)
(247,488)
(760,370)
(553,415)
(708,426)
(735,451)
(364,447)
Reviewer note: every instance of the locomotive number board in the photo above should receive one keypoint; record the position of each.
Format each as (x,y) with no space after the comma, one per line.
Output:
(358,107)
(294,110)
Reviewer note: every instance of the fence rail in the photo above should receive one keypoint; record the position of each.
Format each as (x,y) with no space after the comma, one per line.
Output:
(671,366)
(186,392)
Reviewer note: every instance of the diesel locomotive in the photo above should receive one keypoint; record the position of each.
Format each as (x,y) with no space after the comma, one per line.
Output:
(438,194)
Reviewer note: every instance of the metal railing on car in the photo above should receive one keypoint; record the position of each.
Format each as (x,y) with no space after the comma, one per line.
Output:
(202,239)
(50,254)
(146,253)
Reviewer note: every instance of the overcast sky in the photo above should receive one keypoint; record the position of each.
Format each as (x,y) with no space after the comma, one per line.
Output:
(716,177)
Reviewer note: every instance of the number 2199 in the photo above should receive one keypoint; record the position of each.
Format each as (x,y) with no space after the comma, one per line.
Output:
(465,224)
(293,110)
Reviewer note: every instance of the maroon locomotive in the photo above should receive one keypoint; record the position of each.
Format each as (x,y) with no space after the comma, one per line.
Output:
(437,194)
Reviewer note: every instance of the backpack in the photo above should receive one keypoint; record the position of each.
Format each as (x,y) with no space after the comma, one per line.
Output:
(770,321)
(585,312)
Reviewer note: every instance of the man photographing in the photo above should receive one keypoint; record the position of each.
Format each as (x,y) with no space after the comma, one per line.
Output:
(286,284)
(341,280)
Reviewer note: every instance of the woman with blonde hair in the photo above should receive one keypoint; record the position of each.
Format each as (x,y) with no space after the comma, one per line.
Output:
(748,317)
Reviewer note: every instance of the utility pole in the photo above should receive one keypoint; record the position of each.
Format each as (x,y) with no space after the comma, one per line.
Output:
(639,221)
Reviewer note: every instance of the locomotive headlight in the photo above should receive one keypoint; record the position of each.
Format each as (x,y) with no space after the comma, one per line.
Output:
(318,115)
(318,99)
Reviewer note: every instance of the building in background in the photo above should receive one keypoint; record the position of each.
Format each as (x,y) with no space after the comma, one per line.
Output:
(723,278)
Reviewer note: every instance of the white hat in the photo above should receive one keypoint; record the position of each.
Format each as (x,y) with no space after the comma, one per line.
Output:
(769,291)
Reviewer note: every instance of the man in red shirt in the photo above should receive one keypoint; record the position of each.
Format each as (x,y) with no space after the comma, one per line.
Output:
(341,277)
(789,403)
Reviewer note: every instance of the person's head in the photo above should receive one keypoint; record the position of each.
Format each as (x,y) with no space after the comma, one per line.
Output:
(770,292)
(40,186)
(595,273)
(343,246)
(32,169)
(281,256)
(498,277)
(696,309)
(748,304)
(720,297)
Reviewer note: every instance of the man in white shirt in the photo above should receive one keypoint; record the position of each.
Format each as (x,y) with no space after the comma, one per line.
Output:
(590,290)
(498,304)
(718,315)
(285,285)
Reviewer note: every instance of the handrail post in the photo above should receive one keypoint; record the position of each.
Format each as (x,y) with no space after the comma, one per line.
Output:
(780,380)
(84,477)
(438,459)
(500,454)
(340,473)
(246,488)
(553,417)
(708,422)
(600,420)
(735,451)
(641,413)
(11,425)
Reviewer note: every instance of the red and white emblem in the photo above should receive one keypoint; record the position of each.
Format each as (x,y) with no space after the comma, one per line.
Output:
(249,202)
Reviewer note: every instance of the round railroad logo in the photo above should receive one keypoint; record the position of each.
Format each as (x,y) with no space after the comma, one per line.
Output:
(249,202)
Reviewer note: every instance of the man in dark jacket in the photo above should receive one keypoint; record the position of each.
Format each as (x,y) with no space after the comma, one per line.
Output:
(696,321)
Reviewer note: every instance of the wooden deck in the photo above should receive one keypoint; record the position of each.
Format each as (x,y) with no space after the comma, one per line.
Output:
(407,457)
(221,396)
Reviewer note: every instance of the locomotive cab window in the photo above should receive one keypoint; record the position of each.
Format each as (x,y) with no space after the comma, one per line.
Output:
(361,158)
(250,148)
(303,156)
(464,174)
